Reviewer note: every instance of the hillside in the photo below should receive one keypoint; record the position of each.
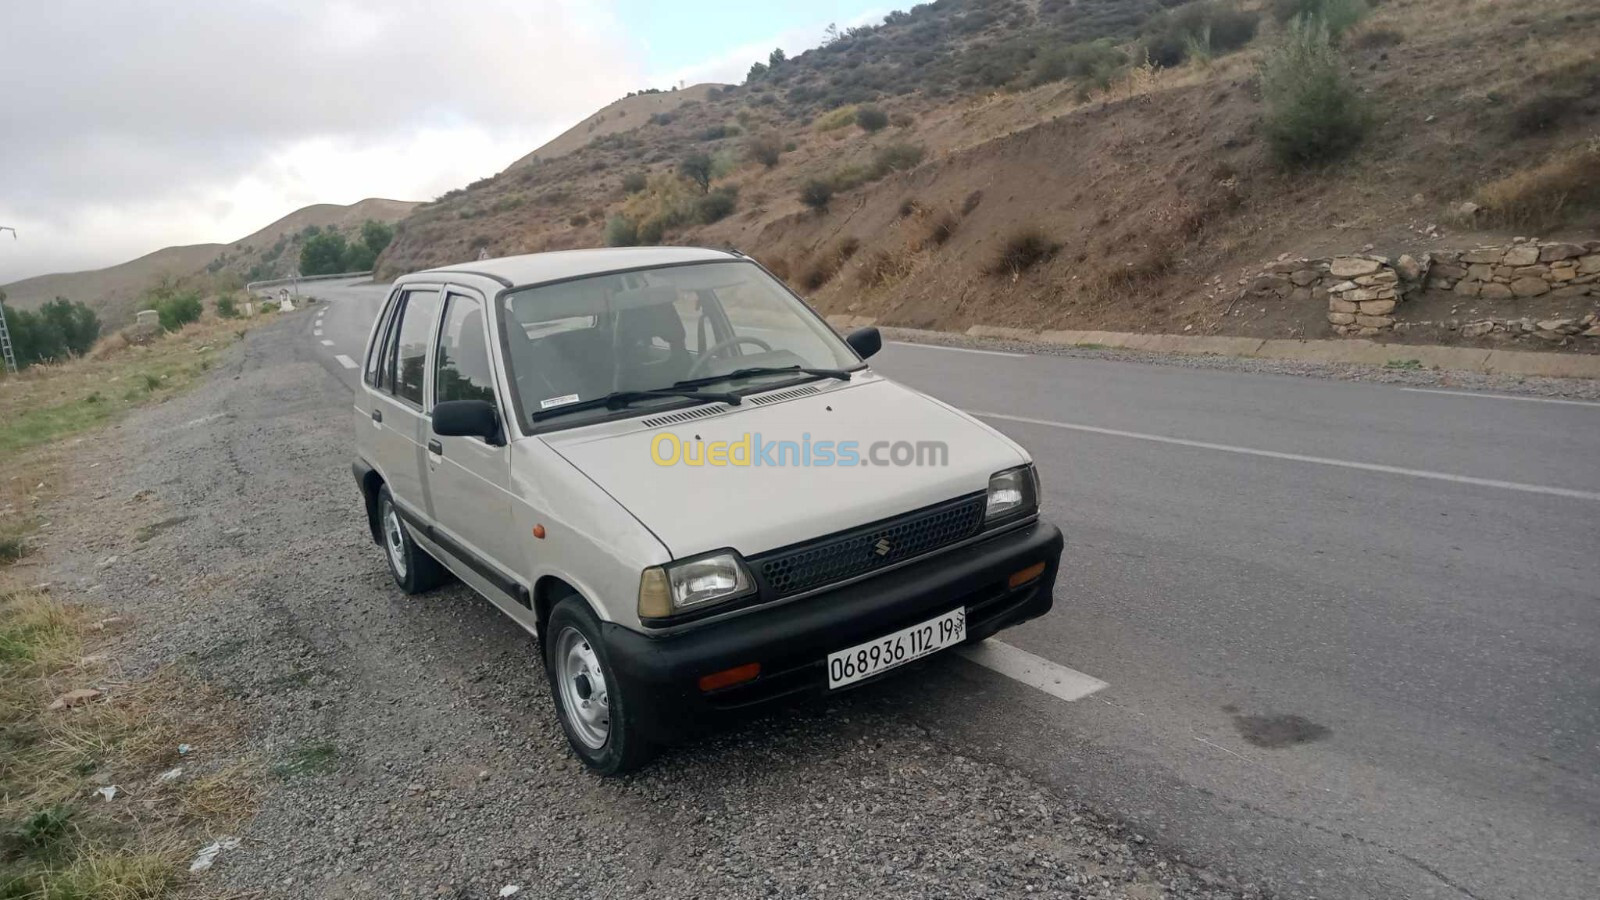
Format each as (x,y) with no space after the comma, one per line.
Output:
(1150,193)
(267,253)
(626,114)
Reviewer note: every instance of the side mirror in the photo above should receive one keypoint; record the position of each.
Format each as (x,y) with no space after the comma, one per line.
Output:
(865,341)
(467,418)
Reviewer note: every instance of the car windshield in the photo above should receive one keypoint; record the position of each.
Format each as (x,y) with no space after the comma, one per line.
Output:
(725,326)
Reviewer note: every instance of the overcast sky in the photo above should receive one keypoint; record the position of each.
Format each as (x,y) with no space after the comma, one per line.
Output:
(131,125)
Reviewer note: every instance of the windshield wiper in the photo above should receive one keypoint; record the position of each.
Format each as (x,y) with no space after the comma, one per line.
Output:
(621,399)
(840,374)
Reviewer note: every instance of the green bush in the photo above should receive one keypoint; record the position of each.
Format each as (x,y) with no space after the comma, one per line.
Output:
(1336,15)
(1313,113)
(1096,61)
(634,182)
(1200,29)
(178,309)
(871,119)
(697,168)
(765,148)
(896,157)
(227,307)
(652,230)
(621,231)
(719,204)
(52,333)
(816,194)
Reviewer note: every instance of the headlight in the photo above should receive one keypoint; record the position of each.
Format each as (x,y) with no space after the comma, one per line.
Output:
(682,586)
(1012,494)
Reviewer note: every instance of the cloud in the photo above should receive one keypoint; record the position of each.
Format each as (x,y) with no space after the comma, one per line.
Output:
(140,123)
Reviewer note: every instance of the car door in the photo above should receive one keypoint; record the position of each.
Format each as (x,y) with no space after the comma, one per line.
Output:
(468,477)
(397,402)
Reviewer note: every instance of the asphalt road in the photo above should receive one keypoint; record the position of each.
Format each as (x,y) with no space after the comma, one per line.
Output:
(1350,630)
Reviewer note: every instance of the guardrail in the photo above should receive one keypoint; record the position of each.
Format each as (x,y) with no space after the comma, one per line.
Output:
(254,286)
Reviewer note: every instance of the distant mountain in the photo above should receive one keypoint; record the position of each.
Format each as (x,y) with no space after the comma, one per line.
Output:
(622,115)
(269,252)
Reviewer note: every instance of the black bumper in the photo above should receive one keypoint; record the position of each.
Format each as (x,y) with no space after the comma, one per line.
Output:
(661,673)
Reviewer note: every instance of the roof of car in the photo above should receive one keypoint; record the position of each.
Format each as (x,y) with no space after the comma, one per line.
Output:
(537,268)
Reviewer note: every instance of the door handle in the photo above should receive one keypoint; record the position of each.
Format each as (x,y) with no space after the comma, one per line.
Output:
(377,415)
(436,448)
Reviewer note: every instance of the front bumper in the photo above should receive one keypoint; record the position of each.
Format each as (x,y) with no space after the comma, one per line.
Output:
(661,673)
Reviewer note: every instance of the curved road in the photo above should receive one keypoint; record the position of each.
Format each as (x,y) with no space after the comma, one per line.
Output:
(1350,630)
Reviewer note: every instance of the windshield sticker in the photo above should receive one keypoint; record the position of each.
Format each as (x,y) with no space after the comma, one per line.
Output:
(558,401)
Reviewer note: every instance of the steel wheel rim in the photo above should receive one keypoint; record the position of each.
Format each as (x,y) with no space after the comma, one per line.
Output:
(585,698)
(394,539)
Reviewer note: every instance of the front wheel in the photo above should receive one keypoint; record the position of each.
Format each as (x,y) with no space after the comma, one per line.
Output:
(589,699)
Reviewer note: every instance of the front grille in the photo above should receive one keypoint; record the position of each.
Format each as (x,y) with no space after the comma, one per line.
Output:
(850,554)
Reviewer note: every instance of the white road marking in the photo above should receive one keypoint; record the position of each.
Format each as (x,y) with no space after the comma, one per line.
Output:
(1033,671)
(1501,396)
(345,361)
(956,349)
(325,343)
(317,333)
(1299,457)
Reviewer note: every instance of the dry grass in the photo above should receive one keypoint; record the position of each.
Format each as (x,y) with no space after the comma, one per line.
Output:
(1548,195)
(826,264)
(883,267)
(1025,247)
(62,840)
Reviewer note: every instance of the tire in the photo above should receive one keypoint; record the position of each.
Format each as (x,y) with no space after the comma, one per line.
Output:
(603,734)
(413,569)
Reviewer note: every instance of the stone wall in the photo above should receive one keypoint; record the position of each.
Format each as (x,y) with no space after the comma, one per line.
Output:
(1365,293)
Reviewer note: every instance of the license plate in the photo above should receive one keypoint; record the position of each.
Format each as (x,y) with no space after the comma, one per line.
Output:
(866,660)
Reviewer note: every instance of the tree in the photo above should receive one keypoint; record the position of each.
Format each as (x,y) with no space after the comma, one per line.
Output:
(758,71)
(323,254)
(1313,113)
(697,168)
(830,35)
(776,58)
(376,235)
(55,332)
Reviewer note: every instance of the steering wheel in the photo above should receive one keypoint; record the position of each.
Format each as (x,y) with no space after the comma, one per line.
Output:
(711,352)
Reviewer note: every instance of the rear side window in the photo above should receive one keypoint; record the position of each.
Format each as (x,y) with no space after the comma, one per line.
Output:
(410,342)
(380,337)
(461,367)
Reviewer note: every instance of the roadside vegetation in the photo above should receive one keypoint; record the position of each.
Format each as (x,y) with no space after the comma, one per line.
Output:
(329,252)
(108,786)
(1313,113)
(56,331)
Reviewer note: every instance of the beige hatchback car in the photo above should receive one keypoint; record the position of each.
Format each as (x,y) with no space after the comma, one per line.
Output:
(669,469)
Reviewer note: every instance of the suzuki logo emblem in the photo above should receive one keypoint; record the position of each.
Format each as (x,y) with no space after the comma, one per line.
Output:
(882,547)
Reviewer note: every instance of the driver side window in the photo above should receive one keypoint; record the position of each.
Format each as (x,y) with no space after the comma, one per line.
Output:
(461,364)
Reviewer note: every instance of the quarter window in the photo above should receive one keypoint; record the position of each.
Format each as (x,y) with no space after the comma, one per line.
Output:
(461,370)
(411,344)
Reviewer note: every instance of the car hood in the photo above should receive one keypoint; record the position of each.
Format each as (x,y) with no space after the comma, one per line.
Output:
(761,506)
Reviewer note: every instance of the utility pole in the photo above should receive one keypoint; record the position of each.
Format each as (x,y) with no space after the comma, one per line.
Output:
(5,333)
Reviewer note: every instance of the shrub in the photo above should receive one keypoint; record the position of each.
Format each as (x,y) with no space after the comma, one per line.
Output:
(1313,114)
(1547,195)
(1335,15)
(714,133)
(719,204)
(1377,38)
(55,331)
(871,119)
(764,148)
(836,119)
(697,168)
(882,267)
(1095,60)
(827,264)
(902,120)
(941,229)
(634,182)
(652,230)
(896,157)
(227,307)
(1540,113)
(621,231)
(816,194)
(909,207)
(178,309)
(578,220)
(1023,249)
(1200,29)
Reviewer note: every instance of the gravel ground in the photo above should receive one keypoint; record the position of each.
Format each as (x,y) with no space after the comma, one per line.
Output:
(411,741)
(1564,388)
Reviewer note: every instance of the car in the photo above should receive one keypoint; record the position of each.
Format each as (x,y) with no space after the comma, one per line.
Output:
(694,494)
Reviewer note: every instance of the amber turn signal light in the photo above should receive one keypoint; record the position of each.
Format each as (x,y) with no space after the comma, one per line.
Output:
(730,677)
(1024,576)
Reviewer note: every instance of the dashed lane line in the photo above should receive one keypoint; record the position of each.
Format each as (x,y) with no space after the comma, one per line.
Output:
(345,361)
(326,343)
(1299,457)
(1034,671)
